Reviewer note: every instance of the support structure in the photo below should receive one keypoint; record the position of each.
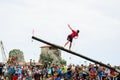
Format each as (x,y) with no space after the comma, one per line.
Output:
(76,54)
(3,52)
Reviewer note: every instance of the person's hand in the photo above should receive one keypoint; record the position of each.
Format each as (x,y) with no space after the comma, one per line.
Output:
(75,37)
(68,24)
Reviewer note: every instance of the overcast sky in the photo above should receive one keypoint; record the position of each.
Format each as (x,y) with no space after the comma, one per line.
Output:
(97,20)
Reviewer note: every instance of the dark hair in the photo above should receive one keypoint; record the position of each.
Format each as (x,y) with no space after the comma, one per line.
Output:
(78,31)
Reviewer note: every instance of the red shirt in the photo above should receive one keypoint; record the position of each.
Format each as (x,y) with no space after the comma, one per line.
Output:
(73,34)
(14,77)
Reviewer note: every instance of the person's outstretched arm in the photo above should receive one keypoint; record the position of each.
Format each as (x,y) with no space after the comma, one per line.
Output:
(70,27)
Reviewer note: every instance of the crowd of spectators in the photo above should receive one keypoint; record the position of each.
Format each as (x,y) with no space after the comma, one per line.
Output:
(57,72)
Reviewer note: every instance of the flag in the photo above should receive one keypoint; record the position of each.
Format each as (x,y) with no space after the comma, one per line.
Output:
(33,32)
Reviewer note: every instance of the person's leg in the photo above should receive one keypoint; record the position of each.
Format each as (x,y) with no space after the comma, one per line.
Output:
(66,43)
(70,45)
(68,40)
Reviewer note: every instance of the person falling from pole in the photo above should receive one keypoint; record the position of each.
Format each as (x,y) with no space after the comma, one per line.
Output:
(70,37)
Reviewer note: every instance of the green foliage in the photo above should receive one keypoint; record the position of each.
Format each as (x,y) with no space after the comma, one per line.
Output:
(48,59)
(63,62)
(45,58)
(51,55)
(17,53)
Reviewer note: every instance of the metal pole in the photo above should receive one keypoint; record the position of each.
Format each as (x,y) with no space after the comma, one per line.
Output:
(74,53)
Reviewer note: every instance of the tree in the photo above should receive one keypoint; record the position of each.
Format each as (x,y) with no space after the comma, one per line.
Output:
(51,55)
(17,54)
(62,62)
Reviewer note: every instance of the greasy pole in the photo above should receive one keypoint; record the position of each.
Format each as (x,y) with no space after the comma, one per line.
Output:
(75,53)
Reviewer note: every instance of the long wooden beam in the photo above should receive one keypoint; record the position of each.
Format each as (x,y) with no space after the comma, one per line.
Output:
(74,53)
